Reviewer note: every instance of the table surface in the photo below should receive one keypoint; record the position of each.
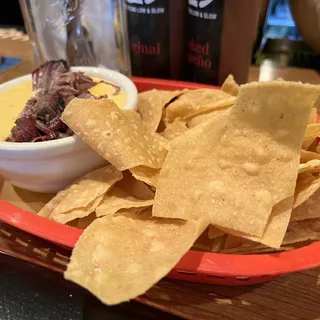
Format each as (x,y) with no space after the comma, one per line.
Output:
(28,290)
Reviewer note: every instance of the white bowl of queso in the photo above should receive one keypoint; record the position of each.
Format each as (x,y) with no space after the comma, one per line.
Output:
(49,166)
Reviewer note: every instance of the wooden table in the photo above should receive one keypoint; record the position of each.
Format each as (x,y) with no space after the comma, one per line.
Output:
(295,296)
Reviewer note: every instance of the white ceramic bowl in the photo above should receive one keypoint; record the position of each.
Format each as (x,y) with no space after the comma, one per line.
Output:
(49,166)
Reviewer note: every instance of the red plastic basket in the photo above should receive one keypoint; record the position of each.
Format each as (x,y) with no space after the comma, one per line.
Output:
(195,266)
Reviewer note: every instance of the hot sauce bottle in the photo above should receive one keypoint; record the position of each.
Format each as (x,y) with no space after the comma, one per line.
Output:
(156,31)
(220,38)
(204,40)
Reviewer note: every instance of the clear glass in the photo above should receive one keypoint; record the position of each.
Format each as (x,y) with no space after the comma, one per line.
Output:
(83,32)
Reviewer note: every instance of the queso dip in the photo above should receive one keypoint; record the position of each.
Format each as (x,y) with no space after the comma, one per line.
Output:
(13,100)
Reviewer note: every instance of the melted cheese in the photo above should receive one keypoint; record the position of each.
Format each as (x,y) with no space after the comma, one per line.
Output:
(13,100)
(102,89)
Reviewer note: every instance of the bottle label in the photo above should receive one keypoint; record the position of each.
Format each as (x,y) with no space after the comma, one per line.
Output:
(148,30)
(204,39)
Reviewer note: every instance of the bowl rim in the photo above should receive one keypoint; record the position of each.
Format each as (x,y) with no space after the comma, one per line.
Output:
(73,142)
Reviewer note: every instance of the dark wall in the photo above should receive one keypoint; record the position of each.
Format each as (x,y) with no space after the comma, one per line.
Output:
(10,14)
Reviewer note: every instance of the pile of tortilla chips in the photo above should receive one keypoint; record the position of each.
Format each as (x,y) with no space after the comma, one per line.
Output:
(216,170)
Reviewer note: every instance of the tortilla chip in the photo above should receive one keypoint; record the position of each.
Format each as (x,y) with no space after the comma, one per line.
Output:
(82,197)
(113,267)
(314,147)
(218,243)
(175,129)
(230,86)
(151,104)
(147,175)
(136,188)
(47,209)
(306,186)
(277,225)
(312,132)
(240,245)
(254,249)
(218,106)
(120,136)
(135,213)
(296,245)
(214,232)
(233,241)
(205,117)
(299,231)
(203,243)
(76,213)
(311,166)
(309,209)
(308,155)
(117,199)
(274,232)
(251,151)
(193,101)
(88,188)
(83,223)
(313,116)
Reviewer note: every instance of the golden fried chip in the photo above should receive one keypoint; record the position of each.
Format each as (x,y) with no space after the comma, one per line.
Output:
(214,232)
(88,188)
(296,245)
(274,232)
(240,245)
(117,199)
(83,223)
(197,101)
(254,248)
(151,104)
(308,155)
(311,166)
(313,116)
(277,225)
(312,132)
(300,231)
(204,117)
(203,243)
(119,258)
(175,129)
(135,187)
(250,152)
(306,186)
(76,213)
(309,209)
(82,197)
(218,243)
(135,213)
(233,241)
(120,136)
(47,209)
(218,106)
(230,86)
(146,174)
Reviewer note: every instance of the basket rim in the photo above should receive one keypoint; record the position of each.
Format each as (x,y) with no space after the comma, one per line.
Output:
(196,262)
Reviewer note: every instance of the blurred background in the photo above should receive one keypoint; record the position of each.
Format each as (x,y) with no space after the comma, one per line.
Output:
(283,33)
